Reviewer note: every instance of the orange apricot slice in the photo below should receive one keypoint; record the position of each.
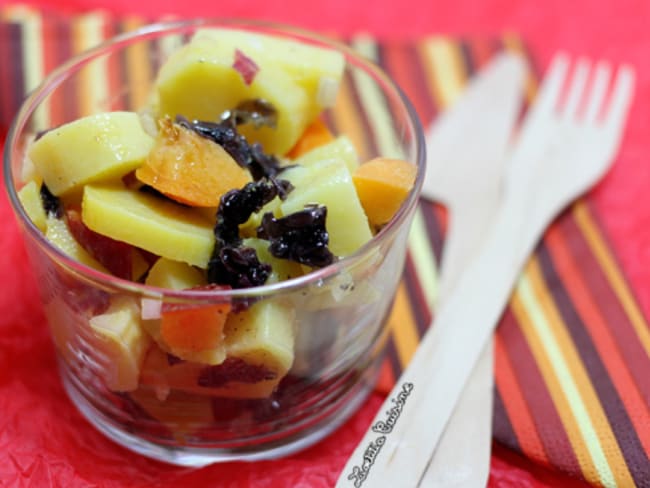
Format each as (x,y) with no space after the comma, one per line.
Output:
(316,134)
(382,185)
(189,168)
(190,328)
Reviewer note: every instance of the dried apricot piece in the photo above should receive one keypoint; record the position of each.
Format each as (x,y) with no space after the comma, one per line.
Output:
(189,168)
(316,134)
(382,185)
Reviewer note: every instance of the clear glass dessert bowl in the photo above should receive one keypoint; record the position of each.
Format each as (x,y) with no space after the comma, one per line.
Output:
(304,353)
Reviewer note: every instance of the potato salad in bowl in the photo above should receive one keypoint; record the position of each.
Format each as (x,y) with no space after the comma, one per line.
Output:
(216,264)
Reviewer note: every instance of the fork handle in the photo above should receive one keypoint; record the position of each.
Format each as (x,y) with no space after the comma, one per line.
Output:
(462,458)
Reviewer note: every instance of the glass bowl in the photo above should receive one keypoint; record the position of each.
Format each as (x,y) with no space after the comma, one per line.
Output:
(324,332)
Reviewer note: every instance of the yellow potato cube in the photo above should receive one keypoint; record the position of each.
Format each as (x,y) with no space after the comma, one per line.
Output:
(199,82)
(59,235)
(30,198)
(120,343)
(150,223)
(94,148)
(341,147)
(174,275)
(318,70)
(328,182)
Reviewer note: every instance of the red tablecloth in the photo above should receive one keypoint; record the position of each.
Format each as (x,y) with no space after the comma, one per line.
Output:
(612,30)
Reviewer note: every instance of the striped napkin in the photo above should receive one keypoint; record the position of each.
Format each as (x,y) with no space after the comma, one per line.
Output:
(572,349)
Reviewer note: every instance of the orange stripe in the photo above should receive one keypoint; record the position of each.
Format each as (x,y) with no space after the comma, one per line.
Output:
(577,371)
(386,379)
(403,327)
(603,340)
(138,68)
(613,273)
(583,457)
(515,404)
(346,119)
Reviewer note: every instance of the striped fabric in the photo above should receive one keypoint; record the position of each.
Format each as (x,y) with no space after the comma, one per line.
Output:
(572,349)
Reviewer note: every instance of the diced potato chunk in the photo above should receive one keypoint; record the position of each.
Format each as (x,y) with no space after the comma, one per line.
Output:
(341,147)
(329,183)
(199,82)
(120,344)
(30,197)
(262,335)
(312,67)
(174,275)
(155,225)
(97,147)
(59,235)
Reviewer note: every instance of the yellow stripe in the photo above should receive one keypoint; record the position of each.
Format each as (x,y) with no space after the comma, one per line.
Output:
(596,421)
(613,273)
(563,387)
(524,319)
(88,32)
(138,68)
(373,101)
(402,324)
(422,253)
(444,70)
(33,57)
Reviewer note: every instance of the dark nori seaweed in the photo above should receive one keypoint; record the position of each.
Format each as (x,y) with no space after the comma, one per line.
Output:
(300,236)
(51,204)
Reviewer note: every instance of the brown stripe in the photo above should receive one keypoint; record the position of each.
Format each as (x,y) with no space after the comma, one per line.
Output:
(609,306)
(549,426)
(501,426)
(403,65)
(5,82)
(419,302)
(622,428)
(69,91)
(14,89)
(434,231)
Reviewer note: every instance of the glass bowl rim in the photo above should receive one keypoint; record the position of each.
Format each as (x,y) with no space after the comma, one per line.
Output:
(158,29)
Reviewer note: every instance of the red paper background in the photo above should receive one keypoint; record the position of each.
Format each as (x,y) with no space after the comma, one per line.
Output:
(45,442)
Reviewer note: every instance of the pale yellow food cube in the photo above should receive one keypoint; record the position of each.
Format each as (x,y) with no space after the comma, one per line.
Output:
(59,235)
(318,70)
(341,147)
(98,147)
(329,183)
(199,82)
(120,343)
(150,223)
(30,198)
(262,335)
(174,275)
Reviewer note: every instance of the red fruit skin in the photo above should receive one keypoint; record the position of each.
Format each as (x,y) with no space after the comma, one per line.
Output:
(114,255)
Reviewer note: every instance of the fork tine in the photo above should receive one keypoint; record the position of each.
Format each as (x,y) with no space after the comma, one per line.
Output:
(577,88)
(621,97)
(598,91)
(551,88)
